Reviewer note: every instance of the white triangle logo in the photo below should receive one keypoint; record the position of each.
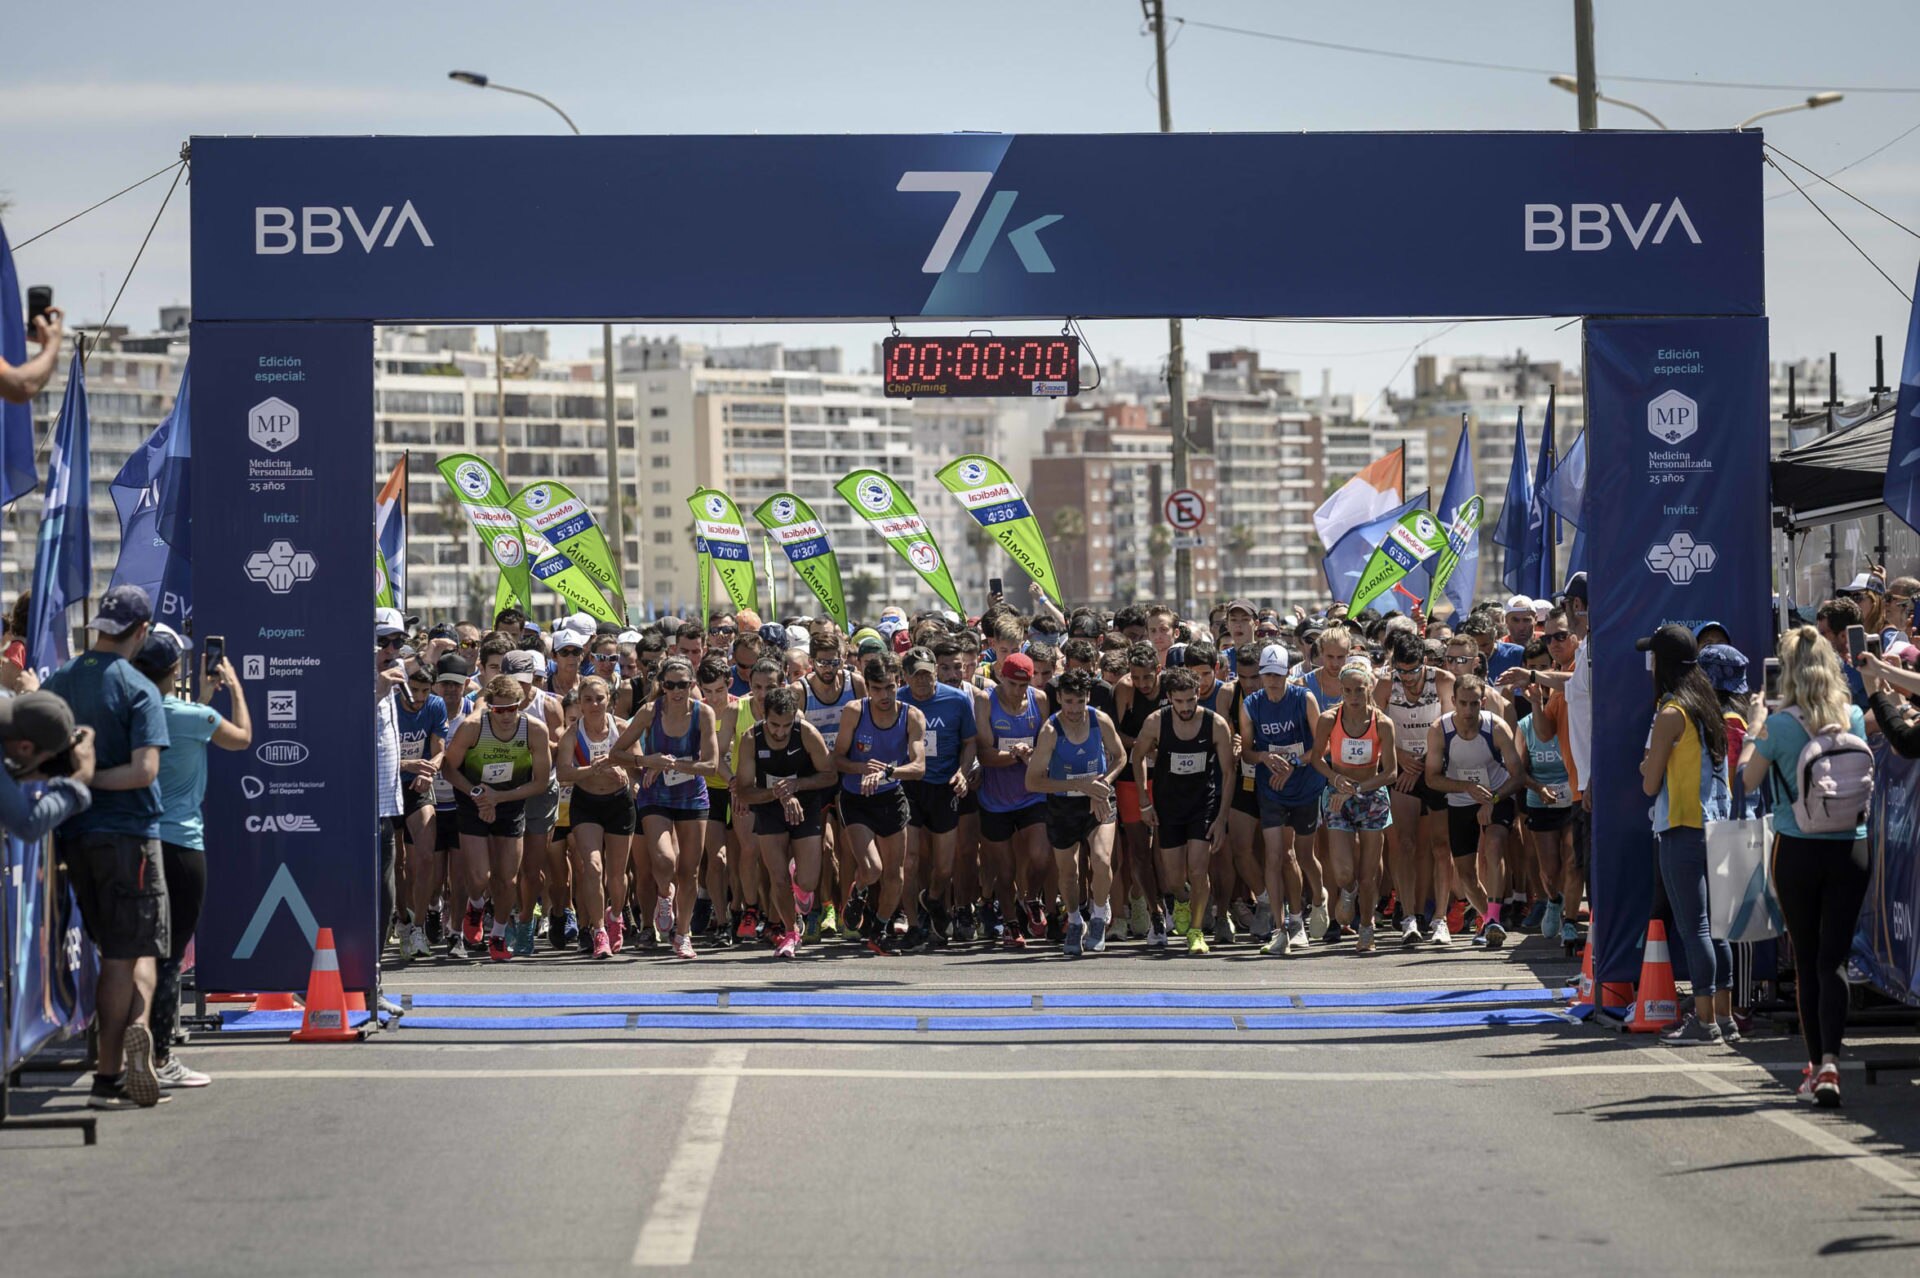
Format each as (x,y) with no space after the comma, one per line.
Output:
(283,888)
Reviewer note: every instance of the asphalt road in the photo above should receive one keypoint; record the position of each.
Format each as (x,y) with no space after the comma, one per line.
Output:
(1417,1147)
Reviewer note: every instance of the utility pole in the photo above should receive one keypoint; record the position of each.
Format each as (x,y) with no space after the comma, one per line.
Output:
(616,512)
(1156,14)
(1589,84)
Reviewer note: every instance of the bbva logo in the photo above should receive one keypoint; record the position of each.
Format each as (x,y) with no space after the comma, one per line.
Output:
(319,231)
(1589,228)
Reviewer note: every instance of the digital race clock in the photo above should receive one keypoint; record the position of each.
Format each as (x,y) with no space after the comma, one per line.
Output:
(948,367)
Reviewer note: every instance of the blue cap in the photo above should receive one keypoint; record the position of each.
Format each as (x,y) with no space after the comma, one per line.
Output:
(121,609)
(1725,667)
(163,648)
(774,636)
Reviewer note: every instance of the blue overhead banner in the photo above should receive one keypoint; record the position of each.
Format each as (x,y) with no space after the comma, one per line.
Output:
(283,537)
(974,225)
(1678,411)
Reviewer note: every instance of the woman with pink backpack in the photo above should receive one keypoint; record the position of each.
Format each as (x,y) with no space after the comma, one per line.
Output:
(1814,747)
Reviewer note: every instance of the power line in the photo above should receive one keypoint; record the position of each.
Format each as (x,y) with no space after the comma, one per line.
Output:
(1836,226)
(1403,56)
(1843,190)
(91,207)
(1781,195)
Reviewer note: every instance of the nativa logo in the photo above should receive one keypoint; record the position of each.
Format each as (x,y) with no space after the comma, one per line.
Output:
(281,754)
(973,473)
(472,479)
(875,494)
(784,510)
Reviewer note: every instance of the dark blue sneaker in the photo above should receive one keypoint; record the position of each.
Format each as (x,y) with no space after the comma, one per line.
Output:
(1536,916)
(570,931)
(1074,931)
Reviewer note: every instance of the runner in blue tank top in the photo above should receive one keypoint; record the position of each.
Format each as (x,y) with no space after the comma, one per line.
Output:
(933,803)
(1012,816)
(680,751)
(1075,763)
(1276,733)
(882,743)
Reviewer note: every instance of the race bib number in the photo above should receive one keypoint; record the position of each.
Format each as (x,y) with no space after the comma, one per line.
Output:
(1356,752)
(1187,764)
(1292,753)
(413,747)
(676,778)
(1249,770)
(495,773)
(933,743)
(1008,743)
(1475,776)
(766,754)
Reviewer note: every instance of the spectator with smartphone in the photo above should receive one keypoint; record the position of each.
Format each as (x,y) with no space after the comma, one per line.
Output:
(41,744)
(19,383)
(191,725)
(112,850)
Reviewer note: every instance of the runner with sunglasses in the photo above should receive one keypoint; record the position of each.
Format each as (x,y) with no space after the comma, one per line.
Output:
(828,690)
(1012,817)
(1353,748)
(601,816)
(786,773)
(882,743)
(497,760)
(1414,696)
(1180,759)
(678,752)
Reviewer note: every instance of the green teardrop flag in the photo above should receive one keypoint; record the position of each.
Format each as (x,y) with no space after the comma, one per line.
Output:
(1466,522)
(997,505)
(790,521)
(717,520)
(1412,541)
(557,514)
(557,571)
(892,514)
(483,496)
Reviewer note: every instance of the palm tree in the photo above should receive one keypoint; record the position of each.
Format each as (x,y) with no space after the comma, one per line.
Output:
(1159,547)
(1070,526)
(861,588)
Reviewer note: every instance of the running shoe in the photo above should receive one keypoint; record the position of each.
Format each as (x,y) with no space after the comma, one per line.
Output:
(1137,920)
(1536,919)
(569,930)
(879,944)
(585,948)
(457,948)
(436,925)
(788,946)
(1196,943)
(748,927)
(113,1095)
(1182,917)
(417,946)
(1297,935)
(1262,925)
(1157,934)
(964,927)
(1036,918)
(993,924)
(813,926)
(1363,943)
(176,1074)
(1343,910)
(470,928)
(1410,931)
(1442,937)
(497,949)
(1317,917)
(1490,937)
(829,922)
(1691,1031)
(1552,919)
(1222,927)
(897,925)
(557,931)
(663,913)
(1096,942)
(1276,946)
(936,910)
(1805,1091)
(602,944)
(1242,916)
(1072,940)
(522,938)
(702,916)
(1334,934)
(683,946)
(1569,934)
(616,930)
(1730,1031)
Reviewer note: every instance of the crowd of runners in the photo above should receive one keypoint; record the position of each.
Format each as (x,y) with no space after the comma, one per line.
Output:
(1026,779)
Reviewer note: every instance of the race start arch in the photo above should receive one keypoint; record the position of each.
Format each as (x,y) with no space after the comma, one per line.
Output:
(301,245)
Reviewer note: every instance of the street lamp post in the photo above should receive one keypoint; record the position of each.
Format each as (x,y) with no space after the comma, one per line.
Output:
(1813,103)
(616,519)
(1572,85)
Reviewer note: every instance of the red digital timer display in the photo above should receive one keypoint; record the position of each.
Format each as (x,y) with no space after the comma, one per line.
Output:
(950,367)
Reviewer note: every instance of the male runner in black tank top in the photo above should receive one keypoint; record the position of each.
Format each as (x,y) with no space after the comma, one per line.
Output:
(1179,761)
(1138,695)
(785,774)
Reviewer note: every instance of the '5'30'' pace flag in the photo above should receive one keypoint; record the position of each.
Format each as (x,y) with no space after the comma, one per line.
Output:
(1902,490)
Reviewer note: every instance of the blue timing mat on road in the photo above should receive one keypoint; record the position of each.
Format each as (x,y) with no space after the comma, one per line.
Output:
(1041,1021)
(564,1000)
(1396,998)
(827,998)
(1404,1020)
(721,1021)
(237,1019)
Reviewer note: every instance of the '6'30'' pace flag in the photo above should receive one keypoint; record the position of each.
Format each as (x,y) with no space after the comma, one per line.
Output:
(1902,490)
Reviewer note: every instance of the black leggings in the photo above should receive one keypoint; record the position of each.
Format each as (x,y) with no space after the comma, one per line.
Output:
(1821,883)
(186,870)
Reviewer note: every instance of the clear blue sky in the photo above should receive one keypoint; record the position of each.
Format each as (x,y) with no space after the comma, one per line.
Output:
(96,96)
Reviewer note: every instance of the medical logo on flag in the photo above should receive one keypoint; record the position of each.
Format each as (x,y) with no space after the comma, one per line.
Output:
(923,556)
(473,479)
(783,510)
(716,506)
(508,549)
(874,494)
(972,473)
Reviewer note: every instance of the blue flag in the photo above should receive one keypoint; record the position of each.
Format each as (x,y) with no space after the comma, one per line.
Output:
(63,562)
(17,475)
(1515,510)
(1348,558)
(152,495)
(1460,487)
(1536,562)
(1567,496)
(1902,490)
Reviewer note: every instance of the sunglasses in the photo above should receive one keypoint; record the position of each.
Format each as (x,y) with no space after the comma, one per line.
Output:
(722,630)
(469,643)
(503,709)
(392,641)
(675,685)
(1555,636)
(1459,661)
(1407,670)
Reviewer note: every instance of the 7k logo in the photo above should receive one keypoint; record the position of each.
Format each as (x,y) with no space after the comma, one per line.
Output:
(969,187)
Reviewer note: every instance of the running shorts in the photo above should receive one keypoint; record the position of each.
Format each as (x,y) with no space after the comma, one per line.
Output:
(1363,813)
(509,820)
(932,806)
(1463,825)
(1000,827)
(613,813)
(884,813)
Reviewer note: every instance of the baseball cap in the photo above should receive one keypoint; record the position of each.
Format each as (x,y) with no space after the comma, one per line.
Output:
(522,665)
(1241,605)
(388,621)
(1541,607)
(1725,667)
(443,631)
(42,718)
(916,658)
(627,636)
(570,639)
(1577,587)
(121,609)
(872,644)
(1672,643)
(162,648)
(865,633)
(1863,583)
(452,667)
(1273,660)
(774,636)
(1016,663)
(891,625)
(1519,603)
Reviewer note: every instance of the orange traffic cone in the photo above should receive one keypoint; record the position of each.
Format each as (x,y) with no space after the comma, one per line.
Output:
(274,1003)
(1583,991)
(326,1018)
(1656,1003)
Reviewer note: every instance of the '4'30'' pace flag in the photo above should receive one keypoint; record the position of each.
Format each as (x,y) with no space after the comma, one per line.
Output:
(1902,490)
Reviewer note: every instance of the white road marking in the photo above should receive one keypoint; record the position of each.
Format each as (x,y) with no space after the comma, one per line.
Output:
(673,1227)
(1821,1138)
(721,1070)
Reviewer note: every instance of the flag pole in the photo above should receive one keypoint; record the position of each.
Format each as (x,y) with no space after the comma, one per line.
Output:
(406,481)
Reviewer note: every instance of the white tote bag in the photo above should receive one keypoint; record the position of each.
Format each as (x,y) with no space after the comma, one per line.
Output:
(1741,904)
